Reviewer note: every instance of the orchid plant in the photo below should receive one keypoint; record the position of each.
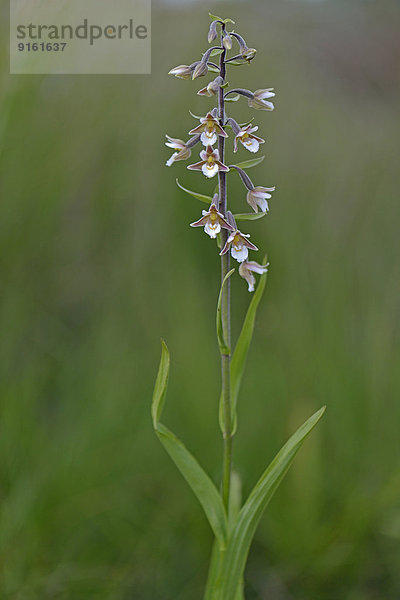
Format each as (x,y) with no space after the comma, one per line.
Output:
(232,521)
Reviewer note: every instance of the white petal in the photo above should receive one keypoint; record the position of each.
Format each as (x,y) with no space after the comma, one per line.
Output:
(171,160)
(251,144)
(210,170)
(203,155)
(208,138)
(240,253)
(263,204)
(212,229)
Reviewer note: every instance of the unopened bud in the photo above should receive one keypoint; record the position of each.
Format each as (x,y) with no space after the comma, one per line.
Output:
(249,54)
(200,70)
(227,41)
(212,33)
(181,71)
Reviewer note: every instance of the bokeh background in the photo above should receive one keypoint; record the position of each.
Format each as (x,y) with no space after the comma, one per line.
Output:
(97,262)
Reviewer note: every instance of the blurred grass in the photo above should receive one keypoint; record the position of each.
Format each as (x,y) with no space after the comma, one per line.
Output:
(97,262)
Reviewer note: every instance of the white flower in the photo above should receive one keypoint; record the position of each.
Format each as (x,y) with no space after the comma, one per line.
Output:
(210,163)
(259,99)
(176,144)
(246,137)
(210,129)
(257,197)
(212,221)
(246,270)
(238,244)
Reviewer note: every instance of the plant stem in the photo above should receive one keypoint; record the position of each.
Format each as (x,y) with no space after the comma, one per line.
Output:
(225,307)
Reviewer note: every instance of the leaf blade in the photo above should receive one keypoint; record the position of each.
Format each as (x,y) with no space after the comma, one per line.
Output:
(254,216)
(251,513)
(202,197)
(249,164)
(243,344)
(222,343)
(200,483)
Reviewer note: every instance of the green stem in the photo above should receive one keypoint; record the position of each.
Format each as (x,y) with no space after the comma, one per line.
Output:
(225,307)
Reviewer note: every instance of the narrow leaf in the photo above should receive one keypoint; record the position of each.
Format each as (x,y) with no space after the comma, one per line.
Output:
(214,18)
(237,63)
(213,69)
(216,51)
(199,481)
(194,116)
(160,388)
(248,164)
(213,585)
(202,197)
(243,344)
(223,346)
(249,216)
(232,98)
(235,498)
(251,513)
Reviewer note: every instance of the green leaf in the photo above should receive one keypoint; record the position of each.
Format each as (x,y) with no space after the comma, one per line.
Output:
(216,52)
(213,69)
(249,216)
(214,18)
(243,344)
(248,164)
(160,388)
(213,585)
(251,513)
(199,481)
(235,498)
(202,197)
(236,63)
(233,98)
(194,116)
(223,346)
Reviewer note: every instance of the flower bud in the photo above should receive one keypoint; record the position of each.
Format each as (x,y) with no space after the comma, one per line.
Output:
(212,88)
(181,71)
(227,41)
(248,54)
(200,70)
(212,32)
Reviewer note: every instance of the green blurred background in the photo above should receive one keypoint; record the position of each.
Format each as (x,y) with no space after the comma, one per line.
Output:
(97,262)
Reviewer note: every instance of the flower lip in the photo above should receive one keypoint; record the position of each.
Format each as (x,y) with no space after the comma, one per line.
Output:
(247,138)
(239,245)
(210,163)
(210,129)
(212,221)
